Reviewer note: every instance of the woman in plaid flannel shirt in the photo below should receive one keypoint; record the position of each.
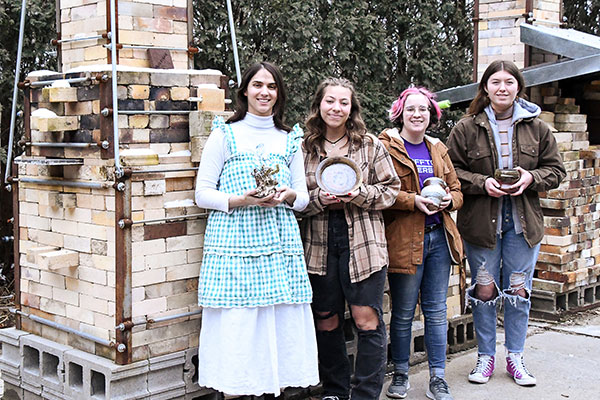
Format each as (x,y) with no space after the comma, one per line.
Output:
(344,243)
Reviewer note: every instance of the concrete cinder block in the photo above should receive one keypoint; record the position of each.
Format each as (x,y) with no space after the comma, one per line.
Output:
(165,378)
(10,357)
(92,377)
(190,370)
(50,372)
(12,391)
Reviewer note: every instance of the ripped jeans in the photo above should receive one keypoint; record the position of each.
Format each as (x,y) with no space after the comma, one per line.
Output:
(511,261)
(330,294)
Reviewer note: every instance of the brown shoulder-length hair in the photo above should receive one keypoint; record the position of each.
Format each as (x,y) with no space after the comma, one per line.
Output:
(481,99)
(315,126)
(242,100)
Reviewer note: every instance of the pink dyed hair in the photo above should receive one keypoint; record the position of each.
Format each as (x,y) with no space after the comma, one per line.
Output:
(398,106)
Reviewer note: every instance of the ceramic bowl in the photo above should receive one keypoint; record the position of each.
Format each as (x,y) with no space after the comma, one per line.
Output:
(338,175)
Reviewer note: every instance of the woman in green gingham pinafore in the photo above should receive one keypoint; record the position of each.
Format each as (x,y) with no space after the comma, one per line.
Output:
(254,255)
(257,333)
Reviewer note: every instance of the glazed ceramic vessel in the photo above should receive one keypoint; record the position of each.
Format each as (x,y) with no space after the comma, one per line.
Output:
(506,178)
(434,189)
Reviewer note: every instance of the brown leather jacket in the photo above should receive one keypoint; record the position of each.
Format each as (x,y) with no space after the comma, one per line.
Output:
(471,146)
(404,223)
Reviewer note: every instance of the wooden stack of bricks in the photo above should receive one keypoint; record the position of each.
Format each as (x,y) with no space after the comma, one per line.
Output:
(139,22)
(568,267)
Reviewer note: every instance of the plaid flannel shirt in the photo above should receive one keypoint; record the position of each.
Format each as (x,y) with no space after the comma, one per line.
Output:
(366,232)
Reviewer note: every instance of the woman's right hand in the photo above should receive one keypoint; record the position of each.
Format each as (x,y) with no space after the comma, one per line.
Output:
(249,199)
(421,203)
(492,187)
(327,198)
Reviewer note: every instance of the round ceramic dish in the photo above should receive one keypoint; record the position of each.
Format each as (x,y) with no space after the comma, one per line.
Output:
(338,175)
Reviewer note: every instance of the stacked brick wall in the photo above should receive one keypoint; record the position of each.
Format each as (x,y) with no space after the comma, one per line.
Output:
(569,258)
(140,22)
(67,235)
(498,30)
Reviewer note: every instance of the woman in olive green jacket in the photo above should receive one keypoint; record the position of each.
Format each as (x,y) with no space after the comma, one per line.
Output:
(502,224)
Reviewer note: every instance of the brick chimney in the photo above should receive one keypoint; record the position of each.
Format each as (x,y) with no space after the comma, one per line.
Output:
(139,23)
(497,31)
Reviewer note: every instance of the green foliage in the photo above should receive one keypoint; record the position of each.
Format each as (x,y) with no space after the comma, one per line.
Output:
(381,46)
(583,15)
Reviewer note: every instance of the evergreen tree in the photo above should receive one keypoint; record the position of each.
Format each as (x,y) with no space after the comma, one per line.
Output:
(583,15)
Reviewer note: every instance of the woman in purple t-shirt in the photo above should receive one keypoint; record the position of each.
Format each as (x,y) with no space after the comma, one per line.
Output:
(423,240)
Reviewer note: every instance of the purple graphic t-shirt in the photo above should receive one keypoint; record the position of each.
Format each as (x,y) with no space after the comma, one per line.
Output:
(420,155)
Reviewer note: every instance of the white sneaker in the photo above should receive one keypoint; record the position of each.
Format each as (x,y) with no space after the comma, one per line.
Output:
(516,368)
(483,370)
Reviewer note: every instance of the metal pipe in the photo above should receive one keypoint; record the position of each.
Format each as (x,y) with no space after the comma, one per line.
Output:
(150,221)
(13,114)
(115,113)
(70,145)
(143,171)
(234,43)
(53,182)
(130,324)
(69,80)
(55,42)
(64,328)
(135,112)
(174,316)
(144,47)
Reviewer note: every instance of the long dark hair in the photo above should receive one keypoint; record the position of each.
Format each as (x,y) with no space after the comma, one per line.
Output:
(316,127)
(242,100)
(482,100)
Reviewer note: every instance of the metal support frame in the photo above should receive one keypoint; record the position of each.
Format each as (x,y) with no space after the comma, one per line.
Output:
(131,324)
(109,343)
(54,182)
(533,76)
(69,80)
(123,266)
(16,250)
(234,43)
(62,145)
(13,114)
(56,42)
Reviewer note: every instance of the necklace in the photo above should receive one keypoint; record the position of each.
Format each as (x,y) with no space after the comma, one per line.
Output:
(334,142)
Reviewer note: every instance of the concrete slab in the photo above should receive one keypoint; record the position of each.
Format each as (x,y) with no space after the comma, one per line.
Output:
(565,363)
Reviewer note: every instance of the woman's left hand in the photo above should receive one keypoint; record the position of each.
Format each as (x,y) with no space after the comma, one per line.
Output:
(347,198)
(284,193)
(446,200)
(523,182)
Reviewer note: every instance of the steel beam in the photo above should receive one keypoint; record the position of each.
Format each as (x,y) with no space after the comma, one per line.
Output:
(565,42)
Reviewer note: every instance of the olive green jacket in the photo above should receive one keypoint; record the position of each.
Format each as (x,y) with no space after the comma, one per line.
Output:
(473,153)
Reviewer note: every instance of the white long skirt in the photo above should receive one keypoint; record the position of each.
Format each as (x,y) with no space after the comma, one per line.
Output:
(256,350)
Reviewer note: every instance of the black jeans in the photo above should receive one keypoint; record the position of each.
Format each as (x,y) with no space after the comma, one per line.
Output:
(330,293)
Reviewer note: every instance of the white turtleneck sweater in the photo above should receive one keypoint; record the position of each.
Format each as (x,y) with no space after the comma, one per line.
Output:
(248,133)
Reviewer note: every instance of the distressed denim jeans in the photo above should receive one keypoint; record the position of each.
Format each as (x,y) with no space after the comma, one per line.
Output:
(330,294)
(431,280)
(511,258)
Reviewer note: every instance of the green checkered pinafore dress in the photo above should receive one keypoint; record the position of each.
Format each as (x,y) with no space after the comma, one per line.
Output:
(253,256)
